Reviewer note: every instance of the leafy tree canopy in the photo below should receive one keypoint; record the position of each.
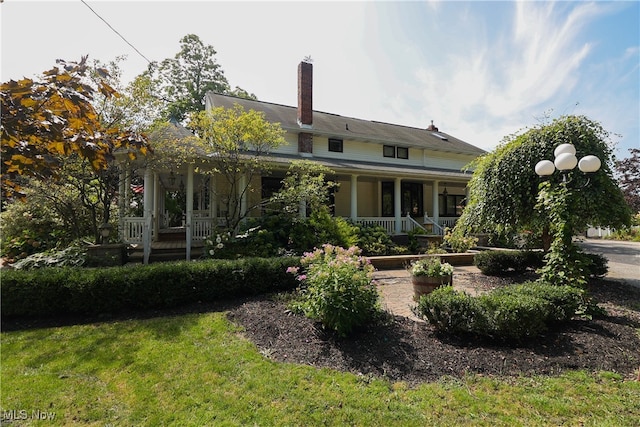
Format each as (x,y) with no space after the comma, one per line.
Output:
(44,121)
(184,80)
(629,171)
(504,186)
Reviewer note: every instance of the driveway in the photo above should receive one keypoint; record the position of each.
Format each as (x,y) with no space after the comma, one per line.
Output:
(624,258)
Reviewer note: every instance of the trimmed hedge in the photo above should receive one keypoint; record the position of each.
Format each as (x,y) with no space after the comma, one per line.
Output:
(500,263)
(513,313)
(60,291)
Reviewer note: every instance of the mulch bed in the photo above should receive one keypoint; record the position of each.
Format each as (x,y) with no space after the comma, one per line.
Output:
(401,349)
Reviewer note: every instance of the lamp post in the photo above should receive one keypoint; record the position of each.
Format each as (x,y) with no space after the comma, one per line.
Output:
(566,160)
(563,262)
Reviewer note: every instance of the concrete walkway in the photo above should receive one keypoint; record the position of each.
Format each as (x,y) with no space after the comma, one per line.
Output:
(397,292)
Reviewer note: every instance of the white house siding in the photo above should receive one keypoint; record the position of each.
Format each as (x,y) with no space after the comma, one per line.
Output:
(434,159)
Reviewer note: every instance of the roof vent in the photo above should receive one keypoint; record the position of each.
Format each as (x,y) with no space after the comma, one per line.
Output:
(439,135)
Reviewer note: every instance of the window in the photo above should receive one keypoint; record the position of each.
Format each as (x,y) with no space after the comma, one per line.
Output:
(335,145)
(389,151)
(393,151)
(411,201)
(451,205)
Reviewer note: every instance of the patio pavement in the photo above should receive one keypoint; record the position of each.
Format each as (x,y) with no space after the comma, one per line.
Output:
(397,292)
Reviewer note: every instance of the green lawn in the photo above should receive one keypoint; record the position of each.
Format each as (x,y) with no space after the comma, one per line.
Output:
(197,370)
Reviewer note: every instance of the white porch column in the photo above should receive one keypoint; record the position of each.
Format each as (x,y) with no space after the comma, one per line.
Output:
(436,202)
(122,200)
(157,202)
(189,209)
(397,204)
(354,197)
(148,215)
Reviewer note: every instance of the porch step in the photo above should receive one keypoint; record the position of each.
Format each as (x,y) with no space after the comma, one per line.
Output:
(173,234)
(166,251)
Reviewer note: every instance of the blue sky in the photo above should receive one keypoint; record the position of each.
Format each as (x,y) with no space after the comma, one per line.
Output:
(479,70)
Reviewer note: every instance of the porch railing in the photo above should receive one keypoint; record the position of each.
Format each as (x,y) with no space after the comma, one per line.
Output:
(133,229)
(407,224)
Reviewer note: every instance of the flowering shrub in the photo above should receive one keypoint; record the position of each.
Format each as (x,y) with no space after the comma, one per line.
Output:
(336,288)
(431,267)
(458,242)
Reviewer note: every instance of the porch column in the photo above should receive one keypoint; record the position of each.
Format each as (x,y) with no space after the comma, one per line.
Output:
(157,200)
(397,204)
(436,202)
(148,215)
(122,202)
(354,197)
(188,227)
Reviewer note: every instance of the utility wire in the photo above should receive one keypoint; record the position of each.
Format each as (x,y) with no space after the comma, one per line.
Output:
(115,31)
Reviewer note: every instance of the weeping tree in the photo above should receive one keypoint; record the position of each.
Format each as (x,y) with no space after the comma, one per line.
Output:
(507,196)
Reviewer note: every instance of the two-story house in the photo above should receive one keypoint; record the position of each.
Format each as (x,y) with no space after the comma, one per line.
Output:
(396,176)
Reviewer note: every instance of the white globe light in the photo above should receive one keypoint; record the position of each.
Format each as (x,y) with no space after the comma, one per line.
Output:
(564,148)
(589,164)
(566,161)
(545,168)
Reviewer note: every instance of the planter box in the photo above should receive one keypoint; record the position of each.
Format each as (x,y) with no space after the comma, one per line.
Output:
(424,285)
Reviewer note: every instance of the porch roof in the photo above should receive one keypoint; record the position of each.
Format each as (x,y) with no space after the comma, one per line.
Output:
(375,169)
(334,125)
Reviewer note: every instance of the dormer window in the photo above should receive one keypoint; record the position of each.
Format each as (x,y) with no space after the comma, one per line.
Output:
(335,145)
(393,151)
(389,151)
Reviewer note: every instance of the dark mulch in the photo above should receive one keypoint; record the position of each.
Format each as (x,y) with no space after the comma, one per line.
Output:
(401,349)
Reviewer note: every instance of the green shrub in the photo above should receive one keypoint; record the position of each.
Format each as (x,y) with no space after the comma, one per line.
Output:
(72,256)
(338,289)
(374,240)
(596,264)
(500,263)
(54,291)
(451,311)
(513,314)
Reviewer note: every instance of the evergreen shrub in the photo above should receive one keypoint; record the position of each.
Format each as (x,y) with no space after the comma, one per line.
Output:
(59,291)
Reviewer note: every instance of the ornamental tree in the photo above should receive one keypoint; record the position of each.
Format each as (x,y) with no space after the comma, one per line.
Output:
(507,196)
(236,145)
(45,120)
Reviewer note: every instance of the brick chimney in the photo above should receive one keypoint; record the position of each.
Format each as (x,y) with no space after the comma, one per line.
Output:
(305,94)
(305,106)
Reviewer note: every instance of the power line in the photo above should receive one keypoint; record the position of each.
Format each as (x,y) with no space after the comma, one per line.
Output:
(115,31)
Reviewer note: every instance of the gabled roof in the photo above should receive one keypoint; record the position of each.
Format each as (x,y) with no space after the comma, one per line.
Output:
(334,125)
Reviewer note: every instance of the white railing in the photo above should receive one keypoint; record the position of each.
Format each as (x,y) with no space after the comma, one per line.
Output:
(201,228)
(407,223)
(388,223)
(412,224)
(133,229)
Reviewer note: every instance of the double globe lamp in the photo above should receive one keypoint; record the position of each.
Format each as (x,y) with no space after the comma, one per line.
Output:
(565,160)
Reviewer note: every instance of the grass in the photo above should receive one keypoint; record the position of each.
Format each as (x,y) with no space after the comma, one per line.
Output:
(197,369)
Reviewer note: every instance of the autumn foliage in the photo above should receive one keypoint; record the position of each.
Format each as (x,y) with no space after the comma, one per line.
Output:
(44,121)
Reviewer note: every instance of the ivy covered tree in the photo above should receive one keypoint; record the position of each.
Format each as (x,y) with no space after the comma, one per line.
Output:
(182,81)
(506,195)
